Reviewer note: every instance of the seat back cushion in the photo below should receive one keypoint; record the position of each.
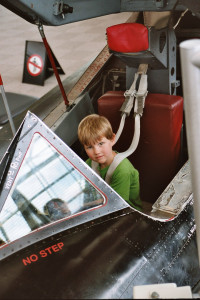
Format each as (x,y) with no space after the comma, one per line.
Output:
(157,156)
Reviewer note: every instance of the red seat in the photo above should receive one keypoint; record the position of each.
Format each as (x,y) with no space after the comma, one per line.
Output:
(158,154)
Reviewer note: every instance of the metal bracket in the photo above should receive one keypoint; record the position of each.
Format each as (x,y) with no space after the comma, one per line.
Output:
(161,3)
(175,84)
(60,8)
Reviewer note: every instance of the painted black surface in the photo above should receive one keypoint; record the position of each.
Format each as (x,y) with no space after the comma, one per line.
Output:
(17,103)
(105,259)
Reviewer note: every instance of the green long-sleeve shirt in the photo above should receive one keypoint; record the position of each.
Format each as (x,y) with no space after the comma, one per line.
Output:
(125,181)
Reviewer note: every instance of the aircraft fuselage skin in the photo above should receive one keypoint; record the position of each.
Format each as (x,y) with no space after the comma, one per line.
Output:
(104,258)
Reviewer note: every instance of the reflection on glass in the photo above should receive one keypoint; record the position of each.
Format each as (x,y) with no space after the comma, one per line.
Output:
(46,189)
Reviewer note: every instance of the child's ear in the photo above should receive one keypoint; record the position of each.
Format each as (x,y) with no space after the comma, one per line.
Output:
(113,139)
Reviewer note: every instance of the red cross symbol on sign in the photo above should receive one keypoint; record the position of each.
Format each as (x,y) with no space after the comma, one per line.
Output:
(35,65)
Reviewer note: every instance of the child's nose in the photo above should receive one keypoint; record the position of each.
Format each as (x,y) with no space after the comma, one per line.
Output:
(96,149)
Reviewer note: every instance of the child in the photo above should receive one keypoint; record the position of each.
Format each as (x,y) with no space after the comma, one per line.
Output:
(96,135)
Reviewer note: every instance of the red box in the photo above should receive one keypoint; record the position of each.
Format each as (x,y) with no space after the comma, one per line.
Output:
(127,37)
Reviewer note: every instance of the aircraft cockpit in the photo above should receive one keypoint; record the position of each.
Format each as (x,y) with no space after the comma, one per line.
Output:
(47,183)
(58,211)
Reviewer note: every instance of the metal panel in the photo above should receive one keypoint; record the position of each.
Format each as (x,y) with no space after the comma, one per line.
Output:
(149,5)
(45,10)
(70,120)
(161,58)
(52,12)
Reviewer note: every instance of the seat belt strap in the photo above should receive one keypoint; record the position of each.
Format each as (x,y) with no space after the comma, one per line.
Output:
(121,156)
(130,96)
(127,106)
(95,166)
(142,92)
(140,97)
(117,160)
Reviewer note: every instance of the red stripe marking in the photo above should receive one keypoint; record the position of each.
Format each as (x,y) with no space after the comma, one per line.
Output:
(30,62)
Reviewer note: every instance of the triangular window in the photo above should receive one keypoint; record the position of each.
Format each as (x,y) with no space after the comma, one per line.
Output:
(47,188)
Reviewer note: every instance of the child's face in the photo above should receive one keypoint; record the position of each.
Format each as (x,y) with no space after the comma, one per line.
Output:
(101,151)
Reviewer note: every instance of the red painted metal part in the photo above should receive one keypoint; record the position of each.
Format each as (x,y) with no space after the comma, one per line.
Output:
(1,81)
(55,70)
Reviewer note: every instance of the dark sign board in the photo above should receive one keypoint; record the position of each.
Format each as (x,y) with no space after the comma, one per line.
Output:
(37,66)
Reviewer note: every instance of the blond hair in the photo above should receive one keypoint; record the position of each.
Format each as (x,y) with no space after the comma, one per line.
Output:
(92,128)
